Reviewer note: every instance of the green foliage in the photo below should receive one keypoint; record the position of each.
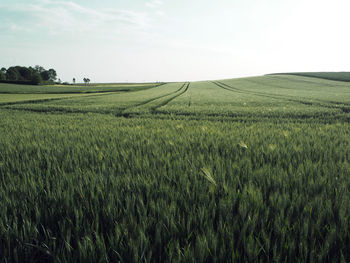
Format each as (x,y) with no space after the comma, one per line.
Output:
(36,79)
(27,75)
(244,170)
(48,75)
(2,76)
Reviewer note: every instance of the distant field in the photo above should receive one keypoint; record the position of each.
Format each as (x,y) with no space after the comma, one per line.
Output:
(338,76)
(6,99)
(276,96)
(91,88)
(238,170)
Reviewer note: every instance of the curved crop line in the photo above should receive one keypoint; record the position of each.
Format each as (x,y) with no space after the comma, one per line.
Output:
(229,88)
(317,76)
(277,86)
(73,97)
(30,101)
(97,94)
(276,96)
(269,85)
(153,109)
(124,89)
(259,94)
(286,77)
(54,110)
(177,93)
(287,98)
(266,95)
(269,95)
(315,101)
(148,101)
(239,117)
(233,89)
(83,94)
(327,118)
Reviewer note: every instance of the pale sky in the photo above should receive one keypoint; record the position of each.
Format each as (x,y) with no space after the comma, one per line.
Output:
(175,40)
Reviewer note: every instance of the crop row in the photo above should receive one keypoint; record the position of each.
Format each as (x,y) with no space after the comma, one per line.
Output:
(101,188)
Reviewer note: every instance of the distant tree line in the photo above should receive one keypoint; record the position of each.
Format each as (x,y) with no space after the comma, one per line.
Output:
(28,75)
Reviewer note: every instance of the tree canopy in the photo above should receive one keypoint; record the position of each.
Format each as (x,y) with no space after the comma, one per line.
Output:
(28,75)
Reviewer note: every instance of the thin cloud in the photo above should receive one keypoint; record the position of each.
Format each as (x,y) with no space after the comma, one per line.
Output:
(157,7)
(66,16)
(155,3)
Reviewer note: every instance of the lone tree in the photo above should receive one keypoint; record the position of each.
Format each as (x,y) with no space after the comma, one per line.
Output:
(86,81)
(73,80)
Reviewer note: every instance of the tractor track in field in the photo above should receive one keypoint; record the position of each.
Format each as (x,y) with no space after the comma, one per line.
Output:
(65,110)
(2,104)
(259,94)
(271,85)
(340,106)
(186,86)
(294,118)
(285,77)
(126,114)
(262,94)
(344,107)
(281,87)
(57,110)
(81,92)
(78,95)
(153,99)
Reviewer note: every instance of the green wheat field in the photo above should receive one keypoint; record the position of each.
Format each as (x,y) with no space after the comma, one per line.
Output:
(239,170)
